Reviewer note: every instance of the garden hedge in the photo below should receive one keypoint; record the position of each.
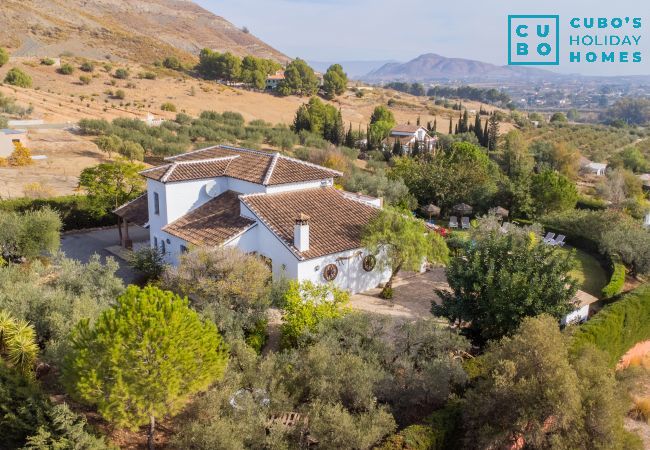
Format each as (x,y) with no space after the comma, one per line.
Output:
(618,327)
(75,211)
(616,282)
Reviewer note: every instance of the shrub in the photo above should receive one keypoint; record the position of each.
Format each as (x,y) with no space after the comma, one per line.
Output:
(121,74)
(119,94)
(258,336)
(17,77)
(618,326)
(21,156)
(306,305)
(149,261)
(439,431)
(148,75)
(85,79)
(4,57)
(74,210)
(87,67)
(172,62)
(94,127)
(30,234)
(47,62)
(616,282)
(170,107)
(66,69)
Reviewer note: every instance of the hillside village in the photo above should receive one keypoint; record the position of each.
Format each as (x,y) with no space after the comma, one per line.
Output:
(206,244)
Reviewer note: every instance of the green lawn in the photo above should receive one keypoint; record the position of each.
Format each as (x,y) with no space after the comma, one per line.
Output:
(590,274)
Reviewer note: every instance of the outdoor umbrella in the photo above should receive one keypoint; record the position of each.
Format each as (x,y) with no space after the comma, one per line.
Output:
(432,210)
(500,211)
(463,208)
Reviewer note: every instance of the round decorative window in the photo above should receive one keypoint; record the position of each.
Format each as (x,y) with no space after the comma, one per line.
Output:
(330,272)
(369,263)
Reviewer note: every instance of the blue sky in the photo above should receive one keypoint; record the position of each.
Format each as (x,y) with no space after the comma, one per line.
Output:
(343,30)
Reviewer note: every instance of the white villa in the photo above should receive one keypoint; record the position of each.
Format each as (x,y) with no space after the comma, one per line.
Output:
(408,135)
(283,209)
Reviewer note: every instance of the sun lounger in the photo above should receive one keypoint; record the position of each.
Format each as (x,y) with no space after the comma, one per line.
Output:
(549,238)
(453,222)
(465,223)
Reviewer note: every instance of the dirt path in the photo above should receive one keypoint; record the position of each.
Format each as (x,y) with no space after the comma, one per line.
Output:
(275,334)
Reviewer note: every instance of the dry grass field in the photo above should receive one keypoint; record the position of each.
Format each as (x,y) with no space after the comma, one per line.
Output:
(60,99)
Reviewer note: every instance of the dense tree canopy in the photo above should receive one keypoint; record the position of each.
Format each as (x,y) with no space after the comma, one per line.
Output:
(112,184)
(335,81)
(320,118)
(498,280)
(144,357)
(553,192)
(299,79)
(462,174)
(29,235)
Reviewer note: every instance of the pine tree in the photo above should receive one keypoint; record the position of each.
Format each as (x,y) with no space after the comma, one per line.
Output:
(144,357)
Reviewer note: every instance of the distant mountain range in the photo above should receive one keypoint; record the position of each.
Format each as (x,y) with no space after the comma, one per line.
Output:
(355,69)
(433,67)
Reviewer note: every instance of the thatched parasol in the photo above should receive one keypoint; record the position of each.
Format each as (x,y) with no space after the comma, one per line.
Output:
(500,211)
(432,210)
(463,208)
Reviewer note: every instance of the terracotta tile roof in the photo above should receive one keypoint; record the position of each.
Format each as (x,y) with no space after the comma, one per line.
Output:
(336,222)
(244,164)
(189,170)
(136,211)
(212,223)
(405,129)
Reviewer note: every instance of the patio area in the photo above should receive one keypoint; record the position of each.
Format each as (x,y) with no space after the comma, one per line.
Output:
(412,296)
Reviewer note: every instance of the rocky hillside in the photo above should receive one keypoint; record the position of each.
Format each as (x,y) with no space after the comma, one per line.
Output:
(132,30)
(432,67)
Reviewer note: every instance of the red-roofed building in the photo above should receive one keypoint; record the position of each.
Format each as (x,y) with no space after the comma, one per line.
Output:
(281,208)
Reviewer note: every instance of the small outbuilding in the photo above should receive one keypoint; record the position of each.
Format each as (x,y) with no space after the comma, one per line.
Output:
(8,139)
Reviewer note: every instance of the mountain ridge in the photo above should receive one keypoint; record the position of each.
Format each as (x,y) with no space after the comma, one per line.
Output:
(433,67)
(132,30)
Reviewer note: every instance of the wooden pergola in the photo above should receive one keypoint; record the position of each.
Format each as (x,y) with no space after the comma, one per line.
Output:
(135,212)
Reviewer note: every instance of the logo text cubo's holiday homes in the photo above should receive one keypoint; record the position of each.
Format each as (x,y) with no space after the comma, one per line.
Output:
(537,40)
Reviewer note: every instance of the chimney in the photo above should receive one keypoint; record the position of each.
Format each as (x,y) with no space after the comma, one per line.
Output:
(301,233)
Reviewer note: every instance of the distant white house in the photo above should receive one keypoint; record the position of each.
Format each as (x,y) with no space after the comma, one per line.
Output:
(8,138)
(153,121)
(407,136)
(588,166)
(285,210)
(272,81)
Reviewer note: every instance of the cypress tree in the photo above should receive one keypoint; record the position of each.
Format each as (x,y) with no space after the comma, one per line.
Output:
(485,135)
(493,132)
(418,122)
(415,149)
(451,122)
(478,130)
(435,124)
(349,138)
(397,148)
(456,132)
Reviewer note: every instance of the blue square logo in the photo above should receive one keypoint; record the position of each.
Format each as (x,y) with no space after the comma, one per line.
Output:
(533,40)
